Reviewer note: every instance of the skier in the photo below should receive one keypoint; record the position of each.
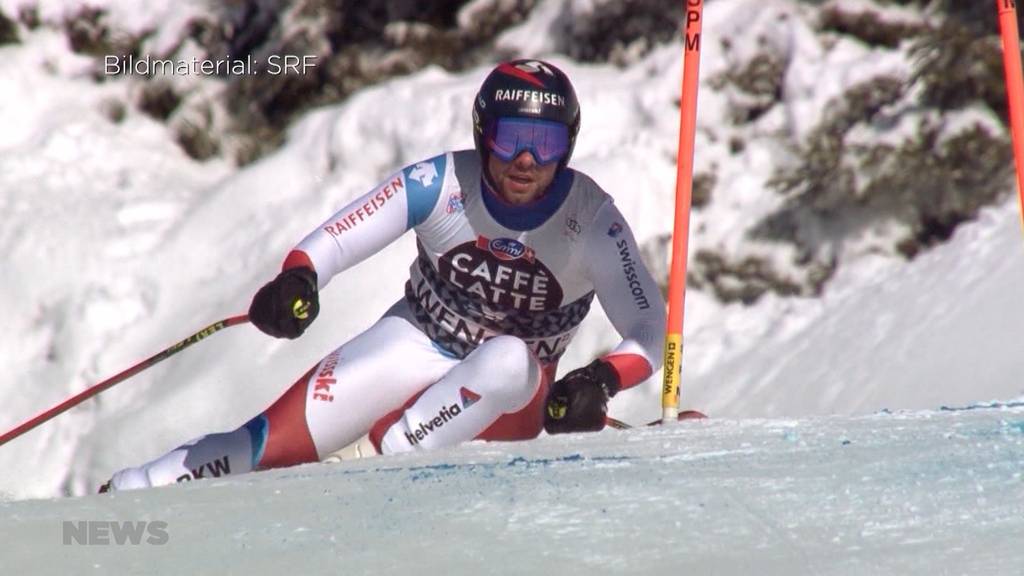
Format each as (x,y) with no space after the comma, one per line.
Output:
(512,247)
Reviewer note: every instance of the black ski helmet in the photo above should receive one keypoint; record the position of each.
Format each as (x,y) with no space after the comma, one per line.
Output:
(526,89)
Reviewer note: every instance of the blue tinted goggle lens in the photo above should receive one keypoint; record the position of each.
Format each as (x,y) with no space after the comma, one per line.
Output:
(547,141)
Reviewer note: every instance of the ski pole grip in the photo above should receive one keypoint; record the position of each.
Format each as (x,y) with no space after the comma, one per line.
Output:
(300,309)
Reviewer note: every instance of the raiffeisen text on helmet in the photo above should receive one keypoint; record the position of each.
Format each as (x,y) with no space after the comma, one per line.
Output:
(529,96)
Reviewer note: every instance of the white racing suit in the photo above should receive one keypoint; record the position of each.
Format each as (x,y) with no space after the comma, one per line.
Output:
(492,301)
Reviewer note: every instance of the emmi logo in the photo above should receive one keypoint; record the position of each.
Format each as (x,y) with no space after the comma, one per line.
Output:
(107,532)
(209,470)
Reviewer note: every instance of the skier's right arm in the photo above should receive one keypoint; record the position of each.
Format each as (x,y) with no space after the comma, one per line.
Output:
(354,233)
(371,222)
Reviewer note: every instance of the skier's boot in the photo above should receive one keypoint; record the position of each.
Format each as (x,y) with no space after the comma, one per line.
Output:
(361,448)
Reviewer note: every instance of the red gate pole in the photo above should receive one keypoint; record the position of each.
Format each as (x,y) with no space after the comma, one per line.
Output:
(681,227)
(1014,87)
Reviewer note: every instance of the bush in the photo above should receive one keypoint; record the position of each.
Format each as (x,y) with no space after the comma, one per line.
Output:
(88,33)
(931,182)
(823,182)
(757,85)
(748,278)
(620,31)
(158,99)
(955,67)
(8,30)
(868,26)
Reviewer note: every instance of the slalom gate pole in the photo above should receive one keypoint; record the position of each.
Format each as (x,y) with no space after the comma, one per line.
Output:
(97,388)
(681,228)
(1014,87)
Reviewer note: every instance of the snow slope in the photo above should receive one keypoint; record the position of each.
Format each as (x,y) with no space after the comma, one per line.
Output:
(907,493)
(940,331)
(116,245)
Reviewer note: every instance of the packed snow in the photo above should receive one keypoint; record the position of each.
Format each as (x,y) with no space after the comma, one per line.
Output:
(116,245)
(906,493)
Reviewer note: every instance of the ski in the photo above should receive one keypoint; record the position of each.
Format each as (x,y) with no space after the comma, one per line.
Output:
(684,415)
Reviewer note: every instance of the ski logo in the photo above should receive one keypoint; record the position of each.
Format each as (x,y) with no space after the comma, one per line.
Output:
(535,67)
(424,429)
(525,71)
(573,226)
(325,378)
(455,203)
(629,270)
(468,397)
(506,249)
(425,173)
(615,230)
(216,469)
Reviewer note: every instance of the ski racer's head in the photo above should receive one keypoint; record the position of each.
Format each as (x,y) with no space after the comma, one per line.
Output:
(525,121)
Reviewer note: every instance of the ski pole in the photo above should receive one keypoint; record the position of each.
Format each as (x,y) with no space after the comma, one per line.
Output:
(97,388)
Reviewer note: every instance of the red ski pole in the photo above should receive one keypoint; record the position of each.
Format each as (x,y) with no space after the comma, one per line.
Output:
(97,388)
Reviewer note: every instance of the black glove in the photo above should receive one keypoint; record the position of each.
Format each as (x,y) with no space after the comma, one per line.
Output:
(579,401)
(286,305)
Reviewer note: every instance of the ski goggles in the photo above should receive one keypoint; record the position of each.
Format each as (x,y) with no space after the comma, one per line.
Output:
(547,141)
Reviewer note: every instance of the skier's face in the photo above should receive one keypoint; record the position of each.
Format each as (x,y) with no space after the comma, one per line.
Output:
(522,180)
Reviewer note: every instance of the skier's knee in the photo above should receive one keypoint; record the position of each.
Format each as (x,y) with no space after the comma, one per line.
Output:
(515,372)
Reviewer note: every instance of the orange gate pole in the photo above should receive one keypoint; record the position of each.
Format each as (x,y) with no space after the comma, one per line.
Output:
(681,227)
(1014,86)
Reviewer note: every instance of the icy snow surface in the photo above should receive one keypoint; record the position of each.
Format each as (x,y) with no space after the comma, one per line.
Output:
(115,245)
(908,493)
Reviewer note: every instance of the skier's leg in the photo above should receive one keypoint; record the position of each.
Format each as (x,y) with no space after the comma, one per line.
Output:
(329,407)
(368,377)
(234,452)
(209,456)
(527,423)
(500,377)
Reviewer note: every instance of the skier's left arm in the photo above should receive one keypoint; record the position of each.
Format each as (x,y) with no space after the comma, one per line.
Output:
(632,301)
(629,295)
